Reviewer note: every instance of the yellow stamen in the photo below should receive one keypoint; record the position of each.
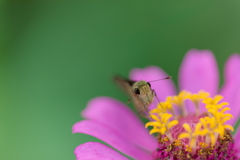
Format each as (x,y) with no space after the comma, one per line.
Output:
(179,101)
(213,103)
(163,107)
(177,142)
(210,127)
(196,98)
(192,136)
(162,124)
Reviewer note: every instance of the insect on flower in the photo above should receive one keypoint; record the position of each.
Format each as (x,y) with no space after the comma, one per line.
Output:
(195,123)
(140,92)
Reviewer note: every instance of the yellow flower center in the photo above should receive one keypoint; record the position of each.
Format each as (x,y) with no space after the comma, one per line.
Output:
(211,126)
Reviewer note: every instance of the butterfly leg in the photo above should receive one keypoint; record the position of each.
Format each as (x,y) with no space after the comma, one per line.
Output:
(129,100)
(143,114)
(155,94)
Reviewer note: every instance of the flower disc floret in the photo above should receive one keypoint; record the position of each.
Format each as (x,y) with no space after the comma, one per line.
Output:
(192,136)
(162,124)
(199,134)
(162,107)
(213,103)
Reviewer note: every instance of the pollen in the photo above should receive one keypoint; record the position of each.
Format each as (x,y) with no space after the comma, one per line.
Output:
(177,142)
(203,145)
(188,148)
(190,136)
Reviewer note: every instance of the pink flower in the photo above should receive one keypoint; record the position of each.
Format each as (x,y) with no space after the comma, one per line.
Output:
(114,123)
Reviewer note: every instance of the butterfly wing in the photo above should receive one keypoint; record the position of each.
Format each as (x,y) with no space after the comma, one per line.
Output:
(126,85)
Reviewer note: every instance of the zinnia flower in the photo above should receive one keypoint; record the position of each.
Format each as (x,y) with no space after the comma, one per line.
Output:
(196,123)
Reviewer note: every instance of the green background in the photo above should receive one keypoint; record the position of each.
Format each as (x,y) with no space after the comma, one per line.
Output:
(56,56)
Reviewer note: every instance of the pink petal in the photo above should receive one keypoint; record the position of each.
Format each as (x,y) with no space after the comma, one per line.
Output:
(237,142)
(199,71)
(95,150)
(113,138)
(162,88)
(119,117)
(231,88)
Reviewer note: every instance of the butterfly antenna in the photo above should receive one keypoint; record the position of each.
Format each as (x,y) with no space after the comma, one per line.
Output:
(161,79)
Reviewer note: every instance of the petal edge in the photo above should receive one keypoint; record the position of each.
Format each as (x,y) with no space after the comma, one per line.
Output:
(199,71)
(118,116)
(95,150)
(113,138)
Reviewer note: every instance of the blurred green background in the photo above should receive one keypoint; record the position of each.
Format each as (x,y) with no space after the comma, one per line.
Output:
(56,56)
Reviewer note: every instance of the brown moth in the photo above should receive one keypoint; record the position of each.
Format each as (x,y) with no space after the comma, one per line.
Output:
(140,92)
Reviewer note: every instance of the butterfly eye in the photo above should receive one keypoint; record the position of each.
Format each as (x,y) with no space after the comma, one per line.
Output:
(149,84)
(136,90)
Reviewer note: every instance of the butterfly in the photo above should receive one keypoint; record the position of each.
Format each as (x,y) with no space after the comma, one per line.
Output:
(140,92)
